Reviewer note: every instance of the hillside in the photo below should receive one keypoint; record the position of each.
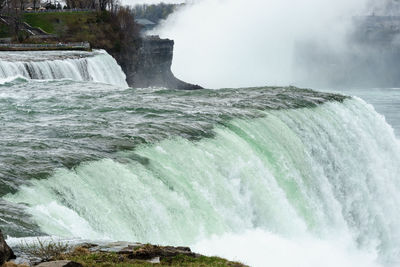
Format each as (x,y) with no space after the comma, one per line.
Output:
(57,22)
(114,32)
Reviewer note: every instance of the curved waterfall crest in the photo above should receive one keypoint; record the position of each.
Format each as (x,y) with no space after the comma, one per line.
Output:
(313,171)
(97,66)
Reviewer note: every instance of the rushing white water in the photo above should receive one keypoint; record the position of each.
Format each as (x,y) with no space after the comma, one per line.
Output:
(98,67)
(300,176)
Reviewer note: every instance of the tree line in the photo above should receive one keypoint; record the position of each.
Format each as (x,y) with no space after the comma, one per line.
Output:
(154,12)
(14,6)
(113,26)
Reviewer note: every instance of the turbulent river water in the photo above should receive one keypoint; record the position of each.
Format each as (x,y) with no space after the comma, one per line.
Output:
(268,176)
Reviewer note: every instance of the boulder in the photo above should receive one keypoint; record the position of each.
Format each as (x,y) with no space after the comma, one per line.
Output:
(59,264)
(149,252)
(6,252)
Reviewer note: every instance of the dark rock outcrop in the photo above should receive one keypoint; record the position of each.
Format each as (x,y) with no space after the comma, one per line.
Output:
(151,66)
(63,263)
(6,252)
(140,251)
(148,252)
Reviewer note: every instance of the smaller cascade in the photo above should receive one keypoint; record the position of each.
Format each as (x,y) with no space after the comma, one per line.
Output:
(98,66)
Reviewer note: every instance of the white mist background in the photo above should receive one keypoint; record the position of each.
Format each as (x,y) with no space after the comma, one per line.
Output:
(259,248)
(240,43)
(149,2)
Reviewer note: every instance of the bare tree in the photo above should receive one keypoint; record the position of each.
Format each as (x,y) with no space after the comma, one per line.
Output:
(103,4)
(3,4)
(21,5)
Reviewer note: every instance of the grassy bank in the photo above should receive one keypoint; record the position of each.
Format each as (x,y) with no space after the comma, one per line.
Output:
(116,255)
(4,31)
(102,29)
(55,22)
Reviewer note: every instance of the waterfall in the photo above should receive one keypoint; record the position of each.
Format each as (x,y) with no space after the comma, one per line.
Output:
(314,172)
(98,66)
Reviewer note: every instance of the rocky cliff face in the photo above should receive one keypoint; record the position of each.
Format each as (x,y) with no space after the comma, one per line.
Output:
(151,66)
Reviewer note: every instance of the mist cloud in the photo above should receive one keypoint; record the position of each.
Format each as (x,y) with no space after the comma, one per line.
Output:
(239,43)
(149,2)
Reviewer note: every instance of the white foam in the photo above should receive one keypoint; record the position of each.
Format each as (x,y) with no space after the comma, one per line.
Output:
(302,174)
(11,79)
(98,67)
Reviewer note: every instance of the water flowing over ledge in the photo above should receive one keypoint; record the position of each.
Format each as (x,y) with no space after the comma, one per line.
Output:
(294,172)
(97,66)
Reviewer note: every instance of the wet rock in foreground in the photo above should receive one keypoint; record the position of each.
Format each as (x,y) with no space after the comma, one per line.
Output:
(6,252)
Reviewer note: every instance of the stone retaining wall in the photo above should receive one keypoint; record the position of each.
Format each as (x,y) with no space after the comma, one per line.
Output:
(85,46)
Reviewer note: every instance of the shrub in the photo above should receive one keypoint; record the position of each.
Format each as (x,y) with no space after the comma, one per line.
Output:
(45,250)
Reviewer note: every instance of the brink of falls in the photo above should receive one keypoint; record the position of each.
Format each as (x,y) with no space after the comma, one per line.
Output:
(84,156)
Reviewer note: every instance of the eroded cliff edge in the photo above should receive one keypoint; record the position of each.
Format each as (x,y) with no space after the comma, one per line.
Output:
(151,65)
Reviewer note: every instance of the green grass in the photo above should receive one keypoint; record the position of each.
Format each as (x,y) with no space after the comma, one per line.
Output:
(4,31)
(111,259)
(200,261)
(97,28)
(51,22)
